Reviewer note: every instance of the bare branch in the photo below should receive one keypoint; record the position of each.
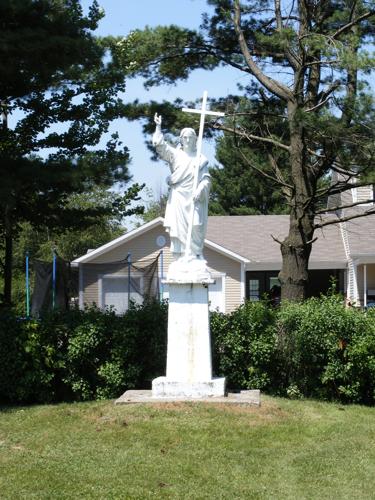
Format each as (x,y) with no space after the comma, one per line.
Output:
(212,50)
(270,21)
(273,86)
(279,19)
(268,140)
(251,137)
(286,188)
(320,62)
(292,59)
(262,172)
(340,170)
(342,207)
(341,187)
(318,106)
(313,240)
(345,219)
(352,10)
(347,26)
(256,114)
(275,239)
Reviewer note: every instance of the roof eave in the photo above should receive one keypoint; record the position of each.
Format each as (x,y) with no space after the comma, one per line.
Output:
(116,242)
(224,251)
(313,265)
(364,258)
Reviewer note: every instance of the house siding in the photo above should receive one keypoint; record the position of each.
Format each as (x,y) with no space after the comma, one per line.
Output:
(143,248)
(232,270)
(370,273)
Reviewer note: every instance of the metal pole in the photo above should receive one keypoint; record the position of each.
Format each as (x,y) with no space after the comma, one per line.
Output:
(27,286)
(365,285)
(161,275)
(53,279)
(129,264)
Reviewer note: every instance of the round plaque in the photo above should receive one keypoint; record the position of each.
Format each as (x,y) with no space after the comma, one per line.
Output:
(160,241)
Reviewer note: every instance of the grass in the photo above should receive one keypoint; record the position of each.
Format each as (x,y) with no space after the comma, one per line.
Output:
(285,449)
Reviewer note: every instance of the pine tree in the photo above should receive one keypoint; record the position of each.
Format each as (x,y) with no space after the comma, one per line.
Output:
(58,95)
(306,59)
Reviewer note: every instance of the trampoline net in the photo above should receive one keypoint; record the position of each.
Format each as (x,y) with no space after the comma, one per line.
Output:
(47,295)
(124,283)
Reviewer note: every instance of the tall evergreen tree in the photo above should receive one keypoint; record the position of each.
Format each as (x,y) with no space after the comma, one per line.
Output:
(58,95)
(305,58)
(237,189)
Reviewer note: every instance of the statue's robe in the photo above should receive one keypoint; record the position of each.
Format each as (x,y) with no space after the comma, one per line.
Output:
(176,220)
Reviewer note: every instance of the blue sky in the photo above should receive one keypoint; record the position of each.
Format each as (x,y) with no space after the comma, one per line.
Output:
(123,16)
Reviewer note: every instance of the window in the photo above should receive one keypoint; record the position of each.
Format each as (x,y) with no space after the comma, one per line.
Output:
(259,283)
(216,296)
(114,292)
(273,281)
(254,290)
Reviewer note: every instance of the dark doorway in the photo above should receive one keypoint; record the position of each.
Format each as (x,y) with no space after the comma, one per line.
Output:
(259,283)
(321,281)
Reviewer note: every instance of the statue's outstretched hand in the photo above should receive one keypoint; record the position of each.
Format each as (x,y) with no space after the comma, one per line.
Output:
(198,194)
(157,119)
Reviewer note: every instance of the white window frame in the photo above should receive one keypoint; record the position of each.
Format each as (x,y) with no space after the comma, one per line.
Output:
(222,276)
(214,275)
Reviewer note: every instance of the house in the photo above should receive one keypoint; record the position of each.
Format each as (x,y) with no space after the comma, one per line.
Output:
(104,272)
(242,256)
(358,235)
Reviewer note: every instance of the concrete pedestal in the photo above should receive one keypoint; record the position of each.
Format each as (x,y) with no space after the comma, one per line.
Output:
(189,365)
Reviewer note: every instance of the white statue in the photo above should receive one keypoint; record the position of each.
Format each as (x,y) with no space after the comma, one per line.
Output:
(182,162)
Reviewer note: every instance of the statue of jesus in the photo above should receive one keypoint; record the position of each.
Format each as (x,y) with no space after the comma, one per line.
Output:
(182,162)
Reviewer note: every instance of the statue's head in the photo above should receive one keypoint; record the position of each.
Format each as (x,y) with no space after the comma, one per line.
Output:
(188,139)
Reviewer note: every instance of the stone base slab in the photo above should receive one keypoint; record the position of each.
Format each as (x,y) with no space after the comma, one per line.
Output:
(162,387)
(249,398)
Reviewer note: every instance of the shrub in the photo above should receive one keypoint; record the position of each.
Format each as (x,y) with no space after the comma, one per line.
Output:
(24,376)
(315,349)
(325,350)
(350,371)
(244,346)
(81,355)
(107,354)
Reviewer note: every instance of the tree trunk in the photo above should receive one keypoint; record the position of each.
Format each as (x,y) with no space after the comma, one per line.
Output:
(296,247)
(295,251)
(8,236)
(8,264)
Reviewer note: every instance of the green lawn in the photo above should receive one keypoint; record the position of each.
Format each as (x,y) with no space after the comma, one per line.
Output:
(285,449)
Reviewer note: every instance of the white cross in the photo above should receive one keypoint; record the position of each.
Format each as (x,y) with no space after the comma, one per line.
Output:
(203,112)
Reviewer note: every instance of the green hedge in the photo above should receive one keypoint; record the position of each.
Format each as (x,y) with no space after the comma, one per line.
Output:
(315,349)
(244,345)
(81,355)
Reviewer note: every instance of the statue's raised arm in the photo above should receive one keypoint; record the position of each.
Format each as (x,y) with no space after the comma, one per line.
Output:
(163,149)
(157,120)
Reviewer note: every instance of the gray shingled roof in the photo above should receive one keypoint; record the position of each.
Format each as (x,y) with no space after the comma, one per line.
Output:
(250,236)
(361,233)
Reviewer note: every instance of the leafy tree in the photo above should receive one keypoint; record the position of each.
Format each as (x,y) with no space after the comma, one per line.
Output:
(107,211)
(154,206)
(307,59)
(58,94)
